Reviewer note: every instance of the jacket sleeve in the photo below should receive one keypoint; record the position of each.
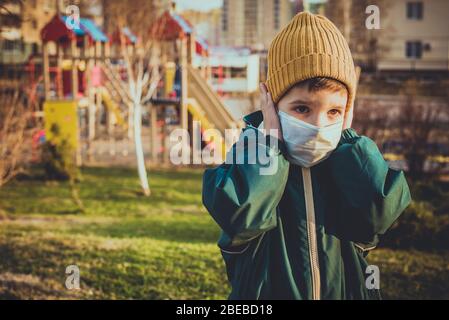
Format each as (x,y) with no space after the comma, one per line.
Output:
(242,193)
(371,195)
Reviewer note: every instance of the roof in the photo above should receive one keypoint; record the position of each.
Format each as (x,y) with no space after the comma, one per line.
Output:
(171,26)
(128,33)
(167,28)
(129,36)
(202,47)
(57,29)
(183,23)
(93,30)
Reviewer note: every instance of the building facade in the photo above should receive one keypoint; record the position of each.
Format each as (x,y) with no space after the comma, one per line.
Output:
(413,35)
(254,23)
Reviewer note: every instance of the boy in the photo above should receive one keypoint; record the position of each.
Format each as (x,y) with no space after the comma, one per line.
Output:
(304,231)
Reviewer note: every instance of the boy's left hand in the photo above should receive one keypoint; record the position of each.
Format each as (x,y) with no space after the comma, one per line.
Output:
(349,114)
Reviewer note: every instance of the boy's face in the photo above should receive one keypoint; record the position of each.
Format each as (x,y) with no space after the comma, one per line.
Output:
(319,108)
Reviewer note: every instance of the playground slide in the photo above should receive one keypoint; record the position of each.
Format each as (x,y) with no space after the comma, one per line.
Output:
(198,114)
(208,103)
(112,106)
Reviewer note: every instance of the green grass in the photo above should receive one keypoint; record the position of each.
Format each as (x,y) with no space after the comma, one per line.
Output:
(132,247)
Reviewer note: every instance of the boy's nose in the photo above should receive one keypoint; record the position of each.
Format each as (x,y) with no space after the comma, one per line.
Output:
(319,120)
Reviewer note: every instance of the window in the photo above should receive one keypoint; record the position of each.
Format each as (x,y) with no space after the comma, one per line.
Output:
(9,45)
(414,49)
(415,10)
(236,72)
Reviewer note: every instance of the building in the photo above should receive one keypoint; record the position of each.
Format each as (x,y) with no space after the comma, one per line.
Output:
(254,23)
(235,71)
(20,25)
(235,77)
(413,35)
(417,36)
(206,24)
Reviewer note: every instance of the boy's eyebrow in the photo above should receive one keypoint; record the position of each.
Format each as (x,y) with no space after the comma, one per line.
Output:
(298,100)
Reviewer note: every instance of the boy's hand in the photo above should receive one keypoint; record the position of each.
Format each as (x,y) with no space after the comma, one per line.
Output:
(349,114)
(269,111)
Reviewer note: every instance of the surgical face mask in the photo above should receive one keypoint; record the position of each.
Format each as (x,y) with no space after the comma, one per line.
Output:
(307,144)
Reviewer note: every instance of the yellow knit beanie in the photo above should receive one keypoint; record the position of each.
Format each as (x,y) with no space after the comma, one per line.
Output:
(309,46)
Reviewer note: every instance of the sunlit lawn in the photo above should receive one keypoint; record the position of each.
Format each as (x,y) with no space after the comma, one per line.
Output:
(128,246)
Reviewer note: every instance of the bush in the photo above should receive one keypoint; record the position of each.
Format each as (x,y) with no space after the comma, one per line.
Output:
(433,192)
(419,228)
(425,223)
(58,160)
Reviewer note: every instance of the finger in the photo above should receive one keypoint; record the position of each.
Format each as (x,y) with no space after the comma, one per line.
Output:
(263,88)
(270,102)
(263,92)
(269,99)
(348,117)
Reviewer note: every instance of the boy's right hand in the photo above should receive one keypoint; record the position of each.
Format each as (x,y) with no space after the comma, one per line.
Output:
(270,112)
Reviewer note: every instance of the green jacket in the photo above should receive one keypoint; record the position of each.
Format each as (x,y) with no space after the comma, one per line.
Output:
(303,233)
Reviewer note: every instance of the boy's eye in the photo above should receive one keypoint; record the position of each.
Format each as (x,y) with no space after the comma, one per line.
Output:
(334,112)
(302,109)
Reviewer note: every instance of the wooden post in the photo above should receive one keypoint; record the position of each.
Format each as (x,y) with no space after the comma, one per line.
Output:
(190,47)
(75,56)
(98,99)
(46,70)
(98,51)
(153,119)
(59,73)
(91,105)
(74,68)
(183,102)
(107,50)
(85,52)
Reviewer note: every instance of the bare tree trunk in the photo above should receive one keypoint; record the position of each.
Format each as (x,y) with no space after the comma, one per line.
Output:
(139,149)
(142,70)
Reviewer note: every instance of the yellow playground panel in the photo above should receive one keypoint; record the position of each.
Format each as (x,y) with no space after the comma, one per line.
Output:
(64,115)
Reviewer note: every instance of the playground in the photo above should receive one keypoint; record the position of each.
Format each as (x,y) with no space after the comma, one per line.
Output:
(85,79)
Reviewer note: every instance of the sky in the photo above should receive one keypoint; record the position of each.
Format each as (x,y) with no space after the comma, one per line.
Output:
(201,5)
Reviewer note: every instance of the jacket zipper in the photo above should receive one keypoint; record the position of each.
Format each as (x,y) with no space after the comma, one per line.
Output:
(311,234)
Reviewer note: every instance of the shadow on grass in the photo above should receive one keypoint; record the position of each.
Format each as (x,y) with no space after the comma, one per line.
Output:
(162,271)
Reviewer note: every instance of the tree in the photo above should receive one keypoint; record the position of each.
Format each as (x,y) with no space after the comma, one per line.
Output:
(412,125)
(350,16)
(16,134)
(142,63)
(423,128)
